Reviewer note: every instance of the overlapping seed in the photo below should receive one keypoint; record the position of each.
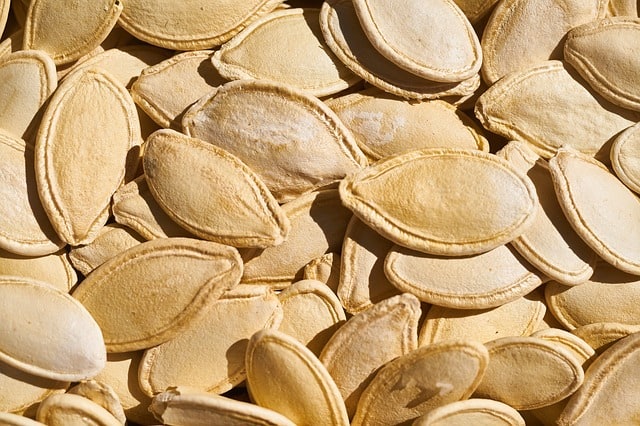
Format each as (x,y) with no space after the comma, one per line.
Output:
(419,212)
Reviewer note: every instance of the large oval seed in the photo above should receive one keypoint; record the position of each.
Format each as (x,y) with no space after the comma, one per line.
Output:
(27,79)
(256,53)
(292,140)
(551,86)
(151,292)
(428,200)
(190,24)
(383,332)
(384,125)
(529,373)
(520,317)
(592,301)
(85,143)
(48,333)
(609,394)
(345,37)
(211,193)
(471,282)
(210,354)
(192,71)
(67,31)
(435,41)
(533,28)
(285,376)
(599,207)
(599,51)
(413,384)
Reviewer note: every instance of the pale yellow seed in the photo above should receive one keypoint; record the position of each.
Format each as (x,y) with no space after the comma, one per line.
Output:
(202,271)
(450,371)
(285,376)
(311,313)
(362,278)
(409,198)
(256,53)
(360,338)
(68,31)
(215,344)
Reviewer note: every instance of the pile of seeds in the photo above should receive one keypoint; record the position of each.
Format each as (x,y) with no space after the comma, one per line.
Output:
(364,212)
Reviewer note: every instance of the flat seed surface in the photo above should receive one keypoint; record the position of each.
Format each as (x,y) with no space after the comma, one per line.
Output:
(362,278)
(533,28)
(580,118)
(550,244)
(190,24)
(471,282)
(128,294)
(360,338)
(10,419)
(285,376)
(211,193)
(111,240)
(56,336)
(121,374)
(127,62)
(413,384)
(54,268)
(311,313)
(599,52)
(200,409)
(91,120)
(520,317)
(20,392)
(384,125)
(435,183)
(475,411)
(591,301)
(69,31)
(193,71)
(292,141)
(69,409)
(210,354)
(27,79)
(318,223)
(135,207)
(256,53)
(601,335)
(581,183)
(437,43)
(608,394)
(103,395)
(24,226)
(344,36)
(528,373)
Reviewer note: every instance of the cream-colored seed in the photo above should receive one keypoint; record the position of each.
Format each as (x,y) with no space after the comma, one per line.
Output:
(393,212)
